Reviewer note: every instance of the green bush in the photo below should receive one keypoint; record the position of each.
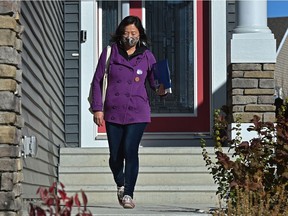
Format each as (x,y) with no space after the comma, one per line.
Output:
(255,178)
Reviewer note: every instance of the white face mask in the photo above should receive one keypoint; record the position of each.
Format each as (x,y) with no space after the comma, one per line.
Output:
(130,41)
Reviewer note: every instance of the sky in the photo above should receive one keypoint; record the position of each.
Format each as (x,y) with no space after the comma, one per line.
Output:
(277,8)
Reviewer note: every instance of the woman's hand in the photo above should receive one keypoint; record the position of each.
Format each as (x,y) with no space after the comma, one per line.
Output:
(99,118)
(161,90)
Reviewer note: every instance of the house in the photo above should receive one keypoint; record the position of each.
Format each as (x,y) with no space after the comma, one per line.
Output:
(48,54)
(279,26)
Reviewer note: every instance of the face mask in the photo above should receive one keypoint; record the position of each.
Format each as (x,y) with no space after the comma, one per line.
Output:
(130,41)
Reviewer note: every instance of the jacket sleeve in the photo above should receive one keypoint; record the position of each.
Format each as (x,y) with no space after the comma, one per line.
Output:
(150,76)
(96,100)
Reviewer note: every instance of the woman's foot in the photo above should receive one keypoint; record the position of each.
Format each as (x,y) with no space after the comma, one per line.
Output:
(128,202)
(120,194)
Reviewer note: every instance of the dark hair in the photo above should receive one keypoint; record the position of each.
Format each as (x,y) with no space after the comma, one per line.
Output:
(128,21)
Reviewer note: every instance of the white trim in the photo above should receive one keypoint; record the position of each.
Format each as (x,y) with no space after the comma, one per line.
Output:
(143,14)
(95,30)
(282,43)
(253,48)
(96,54)
(167,135)
(218,55)
(100,27)
(88,63)
(124,8)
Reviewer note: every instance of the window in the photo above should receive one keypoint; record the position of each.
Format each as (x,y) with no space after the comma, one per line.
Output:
(169,26)
(109,20)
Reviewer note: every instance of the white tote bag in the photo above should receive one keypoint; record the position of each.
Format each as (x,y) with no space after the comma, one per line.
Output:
(105,78)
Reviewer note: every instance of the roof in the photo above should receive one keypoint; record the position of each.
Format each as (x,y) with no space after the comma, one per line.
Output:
(278,26)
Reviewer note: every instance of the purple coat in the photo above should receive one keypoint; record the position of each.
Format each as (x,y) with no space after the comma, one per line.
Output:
(126,96)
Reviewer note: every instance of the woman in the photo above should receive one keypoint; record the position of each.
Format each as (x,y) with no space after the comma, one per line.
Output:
(126,110)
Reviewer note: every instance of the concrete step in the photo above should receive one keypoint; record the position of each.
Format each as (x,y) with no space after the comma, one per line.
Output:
(147,176)
(151,156)
(167,176)
(173,195)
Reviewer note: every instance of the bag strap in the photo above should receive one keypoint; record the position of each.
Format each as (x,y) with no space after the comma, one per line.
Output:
(108,54)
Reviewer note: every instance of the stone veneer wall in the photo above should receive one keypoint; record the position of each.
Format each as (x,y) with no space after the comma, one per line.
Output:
(11,121)
(252,91)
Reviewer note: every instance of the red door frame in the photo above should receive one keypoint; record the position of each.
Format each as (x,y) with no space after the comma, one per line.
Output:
(200,122)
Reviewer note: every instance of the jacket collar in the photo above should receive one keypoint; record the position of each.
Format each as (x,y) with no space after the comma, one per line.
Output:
(139,50)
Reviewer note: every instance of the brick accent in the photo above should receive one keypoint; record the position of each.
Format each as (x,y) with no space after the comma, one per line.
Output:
(11,121)
(252,92)
(7,71)
(258,91)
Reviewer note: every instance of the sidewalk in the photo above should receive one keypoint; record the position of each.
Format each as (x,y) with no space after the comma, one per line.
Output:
(158,210)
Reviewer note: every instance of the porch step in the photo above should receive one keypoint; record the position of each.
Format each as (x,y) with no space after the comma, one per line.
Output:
(147,176)
(148,156)
(162,195)
(171,175)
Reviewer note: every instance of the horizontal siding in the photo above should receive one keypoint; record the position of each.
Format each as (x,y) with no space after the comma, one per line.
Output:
(281,69)
(42,90)
(230,17)
(230,25)
(72,73)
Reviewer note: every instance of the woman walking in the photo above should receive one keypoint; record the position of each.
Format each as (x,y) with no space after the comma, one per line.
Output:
(126,109)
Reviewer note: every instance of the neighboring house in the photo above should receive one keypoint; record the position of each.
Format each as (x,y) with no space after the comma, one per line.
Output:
(46,69)
(279,27)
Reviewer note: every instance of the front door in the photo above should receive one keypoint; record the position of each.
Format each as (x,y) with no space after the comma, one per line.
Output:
(178,31)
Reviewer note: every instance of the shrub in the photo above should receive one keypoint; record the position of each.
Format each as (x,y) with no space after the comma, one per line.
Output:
(256,174)
(56,202)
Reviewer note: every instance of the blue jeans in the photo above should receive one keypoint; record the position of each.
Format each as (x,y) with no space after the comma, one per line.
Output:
(124,143)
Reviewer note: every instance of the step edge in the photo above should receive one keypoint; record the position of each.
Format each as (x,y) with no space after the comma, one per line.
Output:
(142,150)
(176,188)
(160,169)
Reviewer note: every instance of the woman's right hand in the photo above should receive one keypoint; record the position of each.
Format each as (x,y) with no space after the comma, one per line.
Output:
(99,118)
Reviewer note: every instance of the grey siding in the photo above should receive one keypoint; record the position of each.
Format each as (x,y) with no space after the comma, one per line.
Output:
(281,69)
(230,24)
(231,17)
(42,90)
(72,72)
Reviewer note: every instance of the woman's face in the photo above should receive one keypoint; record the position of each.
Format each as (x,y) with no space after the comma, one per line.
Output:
(131,35)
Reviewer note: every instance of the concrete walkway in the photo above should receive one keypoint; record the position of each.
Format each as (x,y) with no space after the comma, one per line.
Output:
(158,210)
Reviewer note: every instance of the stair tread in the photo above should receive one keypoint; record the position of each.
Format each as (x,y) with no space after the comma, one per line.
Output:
(146,188)
(144,150)
(180,171)
(148,169)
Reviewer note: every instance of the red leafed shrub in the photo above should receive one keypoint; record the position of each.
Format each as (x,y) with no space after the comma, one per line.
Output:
(254,179)
(56,202)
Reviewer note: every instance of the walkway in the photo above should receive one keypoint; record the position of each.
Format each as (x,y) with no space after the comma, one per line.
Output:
(151,210)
